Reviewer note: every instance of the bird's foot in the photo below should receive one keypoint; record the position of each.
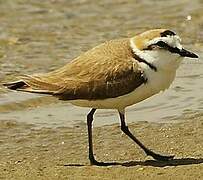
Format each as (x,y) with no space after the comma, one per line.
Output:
(97,163)
(159,157)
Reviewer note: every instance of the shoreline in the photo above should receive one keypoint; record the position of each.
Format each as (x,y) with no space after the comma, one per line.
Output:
(61,153)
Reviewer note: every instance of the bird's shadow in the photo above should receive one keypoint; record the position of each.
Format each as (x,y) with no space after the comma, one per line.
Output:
(154,163)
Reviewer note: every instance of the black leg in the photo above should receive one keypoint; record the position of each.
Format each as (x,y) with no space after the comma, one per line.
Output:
(89,126)
(93,161)
(149,152)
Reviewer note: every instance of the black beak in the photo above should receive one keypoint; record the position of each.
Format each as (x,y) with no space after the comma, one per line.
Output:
(182,52)
(186,53)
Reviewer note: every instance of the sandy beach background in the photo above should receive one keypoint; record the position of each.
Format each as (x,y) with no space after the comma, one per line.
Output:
(61,153)
(43,138)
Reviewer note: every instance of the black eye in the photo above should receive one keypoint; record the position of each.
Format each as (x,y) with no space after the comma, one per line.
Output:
(159,44)
(162,44)
(150,47)
(165,46)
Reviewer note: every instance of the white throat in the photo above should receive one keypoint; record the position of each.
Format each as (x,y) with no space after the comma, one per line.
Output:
(161,59)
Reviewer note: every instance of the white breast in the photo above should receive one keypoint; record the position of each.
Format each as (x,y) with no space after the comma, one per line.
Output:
(157,81)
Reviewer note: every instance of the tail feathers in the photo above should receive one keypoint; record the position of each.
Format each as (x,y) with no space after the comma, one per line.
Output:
(15,85)
(33,84)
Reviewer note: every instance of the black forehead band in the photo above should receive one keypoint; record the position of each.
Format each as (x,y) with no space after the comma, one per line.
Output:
(167,33)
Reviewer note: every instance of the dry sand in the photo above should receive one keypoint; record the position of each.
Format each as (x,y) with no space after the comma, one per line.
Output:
(28,152)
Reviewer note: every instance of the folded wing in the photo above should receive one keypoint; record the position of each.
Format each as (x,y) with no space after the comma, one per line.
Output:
(105,71)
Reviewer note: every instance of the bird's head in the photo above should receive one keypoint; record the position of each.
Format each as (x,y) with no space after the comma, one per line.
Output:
(161,47)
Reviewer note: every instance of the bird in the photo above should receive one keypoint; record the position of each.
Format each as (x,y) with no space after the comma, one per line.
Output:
(114,75)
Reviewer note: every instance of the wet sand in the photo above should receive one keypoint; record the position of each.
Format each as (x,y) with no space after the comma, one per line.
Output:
(28,152)
(37,37)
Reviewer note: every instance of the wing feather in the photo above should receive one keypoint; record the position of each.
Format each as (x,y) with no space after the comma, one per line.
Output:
(106,71)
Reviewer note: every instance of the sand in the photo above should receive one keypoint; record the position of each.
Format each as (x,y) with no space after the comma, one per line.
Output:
(29,152)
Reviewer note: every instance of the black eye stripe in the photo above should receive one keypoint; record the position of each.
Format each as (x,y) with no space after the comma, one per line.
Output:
(167,33)
(160,44)
(165,46)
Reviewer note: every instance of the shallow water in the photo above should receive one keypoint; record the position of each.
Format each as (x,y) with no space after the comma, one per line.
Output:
(39,36)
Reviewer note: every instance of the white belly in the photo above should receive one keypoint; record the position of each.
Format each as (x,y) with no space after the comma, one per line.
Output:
(120,102)
(157,81)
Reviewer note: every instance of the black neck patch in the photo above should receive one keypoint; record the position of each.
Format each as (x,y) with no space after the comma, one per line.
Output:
(136,57)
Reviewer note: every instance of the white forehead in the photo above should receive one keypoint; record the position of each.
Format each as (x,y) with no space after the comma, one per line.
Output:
(173,41)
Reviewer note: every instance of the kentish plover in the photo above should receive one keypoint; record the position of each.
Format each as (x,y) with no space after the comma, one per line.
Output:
(114,75)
